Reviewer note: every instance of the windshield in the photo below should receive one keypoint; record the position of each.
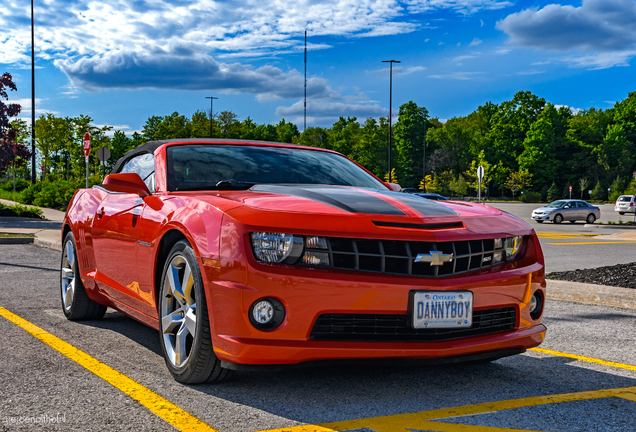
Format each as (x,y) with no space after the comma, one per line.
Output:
(556,204)
(625,198)
(203,167)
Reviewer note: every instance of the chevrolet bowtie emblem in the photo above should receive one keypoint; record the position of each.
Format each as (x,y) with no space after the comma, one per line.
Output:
(436,258)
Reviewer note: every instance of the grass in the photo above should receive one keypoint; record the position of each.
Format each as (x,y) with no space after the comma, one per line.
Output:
(5,235)
(19,210)
(11,196)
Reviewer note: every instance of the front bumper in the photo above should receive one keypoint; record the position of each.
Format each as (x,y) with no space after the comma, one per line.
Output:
(307,294)
(542,217)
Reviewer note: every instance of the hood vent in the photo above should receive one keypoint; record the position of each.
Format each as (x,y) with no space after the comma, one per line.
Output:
(437,226)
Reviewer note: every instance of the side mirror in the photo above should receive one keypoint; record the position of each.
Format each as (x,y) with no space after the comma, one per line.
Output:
(394,187)
(566,206)
(126,183)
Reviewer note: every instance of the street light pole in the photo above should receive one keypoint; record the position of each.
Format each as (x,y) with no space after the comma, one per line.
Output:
(32,97)
(211,105)
(390,110)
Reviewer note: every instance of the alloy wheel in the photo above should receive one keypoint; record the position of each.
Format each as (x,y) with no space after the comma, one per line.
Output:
(178,308)
(68,275)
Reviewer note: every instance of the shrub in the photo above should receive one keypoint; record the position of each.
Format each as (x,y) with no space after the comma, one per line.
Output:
(553,192)
(599,193)
(531,197)
(20,185)
(55,194)
(20,211)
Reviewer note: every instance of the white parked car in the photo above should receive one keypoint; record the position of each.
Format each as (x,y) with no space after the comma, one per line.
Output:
(625,204)
(567,210)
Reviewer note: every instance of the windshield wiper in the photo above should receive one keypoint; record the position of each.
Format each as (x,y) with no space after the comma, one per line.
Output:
(231,184)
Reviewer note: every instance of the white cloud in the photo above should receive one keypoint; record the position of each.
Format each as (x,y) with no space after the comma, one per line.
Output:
(601,60)
(461,76)
(464,7)
(475,42)
(599,33)
(326,110)
(398,70)
(503,51)
(461,58)
(531,72)
(540,63)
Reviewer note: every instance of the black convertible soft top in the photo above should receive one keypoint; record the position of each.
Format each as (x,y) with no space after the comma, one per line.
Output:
(148,147)
(151,146)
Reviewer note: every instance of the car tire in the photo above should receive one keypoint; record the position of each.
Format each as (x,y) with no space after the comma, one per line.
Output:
(184,325)
(539,221)
(621,213)
(76,304)
(558,219)
(590,218)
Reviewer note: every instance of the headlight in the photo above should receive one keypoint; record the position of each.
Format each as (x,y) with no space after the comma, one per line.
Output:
(277,247)
(506,249)
(513,245)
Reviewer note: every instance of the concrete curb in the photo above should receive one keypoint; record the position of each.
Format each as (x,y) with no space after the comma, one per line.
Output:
(624,298)
(16,240)
(622,227)
(48,239)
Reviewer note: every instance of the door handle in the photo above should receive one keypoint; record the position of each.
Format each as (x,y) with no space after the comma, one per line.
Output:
(100,213)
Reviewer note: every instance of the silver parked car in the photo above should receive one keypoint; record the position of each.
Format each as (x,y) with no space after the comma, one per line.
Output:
(625,204)
(567,210)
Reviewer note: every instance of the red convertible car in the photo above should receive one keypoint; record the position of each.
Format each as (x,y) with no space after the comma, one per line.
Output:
(247,255)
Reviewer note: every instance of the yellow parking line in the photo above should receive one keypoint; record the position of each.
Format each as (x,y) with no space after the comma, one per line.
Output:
(161,407)
(586,359)
(421,420)
(589,243)
(545,233)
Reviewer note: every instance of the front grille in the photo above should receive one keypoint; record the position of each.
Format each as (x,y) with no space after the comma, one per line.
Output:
(397,257)
(397,328)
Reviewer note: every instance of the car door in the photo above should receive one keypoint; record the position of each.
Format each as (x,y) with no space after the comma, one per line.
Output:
(582,210)
(569,211)
(115,234)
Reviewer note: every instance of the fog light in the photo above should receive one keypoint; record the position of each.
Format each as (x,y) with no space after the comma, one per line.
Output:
(536,305)
(263,312)
(316,258)
(267,313)
(498,257)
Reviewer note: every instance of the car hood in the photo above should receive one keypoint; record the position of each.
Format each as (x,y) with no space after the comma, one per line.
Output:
(544,209)
(350,200)
(357,211)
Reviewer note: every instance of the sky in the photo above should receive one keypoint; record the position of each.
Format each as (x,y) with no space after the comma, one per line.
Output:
(121,61)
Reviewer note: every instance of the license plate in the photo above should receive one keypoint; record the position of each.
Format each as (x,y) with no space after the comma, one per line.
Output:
(442,309)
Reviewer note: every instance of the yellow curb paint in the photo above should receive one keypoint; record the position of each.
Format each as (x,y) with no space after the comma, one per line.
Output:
(586,359)
(420,420)
(161,407)
(589,243)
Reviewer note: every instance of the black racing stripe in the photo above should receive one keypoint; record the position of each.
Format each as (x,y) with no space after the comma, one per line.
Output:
(419,226)
(351,200)
(425,206)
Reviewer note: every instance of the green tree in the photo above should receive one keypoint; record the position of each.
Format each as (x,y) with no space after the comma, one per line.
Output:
(285,132)
(553,192)
(518,180)
(471,173)
(539,148)
(461,188)
(410,139)
(599,193)
(583,183)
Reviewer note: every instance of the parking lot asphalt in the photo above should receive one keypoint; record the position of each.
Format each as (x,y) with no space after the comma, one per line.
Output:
(110,375)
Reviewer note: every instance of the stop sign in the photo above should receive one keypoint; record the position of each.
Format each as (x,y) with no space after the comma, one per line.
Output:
(87,144)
